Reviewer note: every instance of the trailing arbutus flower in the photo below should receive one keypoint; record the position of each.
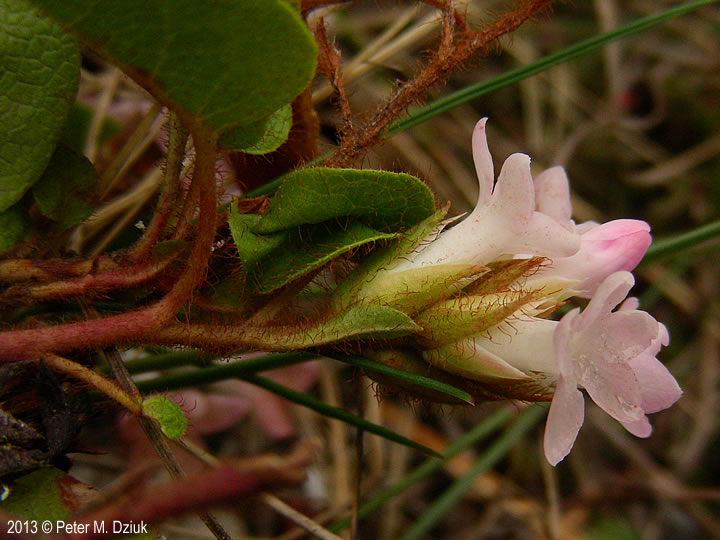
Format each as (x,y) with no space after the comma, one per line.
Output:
(482,291)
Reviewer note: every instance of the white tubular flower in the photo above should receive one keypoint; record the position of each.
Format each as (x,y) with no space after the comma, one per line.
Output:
(611,354)
(479,291)
(505,221)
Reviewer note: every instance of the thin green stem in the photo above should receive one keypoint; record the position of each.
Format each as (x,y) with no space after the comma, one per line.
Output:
(483,430)
(236,370)
(159,362)
(412,378)
(669,246)
(495,453)
(310,402)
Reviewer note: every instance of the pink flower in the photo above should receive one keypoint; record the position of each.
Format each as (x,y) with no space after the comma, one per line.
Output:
(612,356)
(505,221)
(484,321)
(604,249)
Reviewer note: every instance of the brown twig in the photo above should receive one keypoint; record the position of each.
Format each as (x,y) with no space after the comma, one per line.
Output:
(458,44)
(130,401)
(117,278)
(177,139)
(228,480)
(329,63)
(157,440)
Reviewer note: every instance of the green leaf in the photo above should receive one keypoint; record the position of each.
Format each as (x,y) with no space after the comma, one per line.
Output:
(251,247)
(276,132)
(244,136)
(168,413)
(361,322)
(65,187)
(38,81)
(362,284)
(75,130)
(261,137)
(226,62)
(39,496)
(311,253)
(14,227)
(383,200)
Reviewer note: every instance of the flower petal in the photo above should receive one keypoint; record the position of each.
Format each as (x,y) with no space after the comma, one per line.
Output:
(640,428)
(561,341)
(658,389)
(609,294)
(605,249)
(514,195)
(528,346)
(552,195)
(566,416)
(483,162)
(470,359)
(630,303)
(615,389)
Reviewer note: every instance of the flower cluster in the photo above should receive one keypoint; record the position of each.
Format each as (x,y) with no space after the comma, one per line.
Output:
(482,289)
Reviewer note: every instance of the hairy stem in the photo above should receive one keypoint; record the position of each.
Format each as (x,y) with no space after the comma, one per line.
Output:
(117,278)
(177,140)
(135,325)
(452,53)
(130,401)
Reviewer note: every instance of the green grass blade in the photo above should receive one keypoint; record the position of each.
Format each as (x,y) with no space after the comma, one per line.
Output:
(495,453)
(418,380)
(323,408)
(476,90)
(669,246)
(472,437)
(157,362)
(235,370)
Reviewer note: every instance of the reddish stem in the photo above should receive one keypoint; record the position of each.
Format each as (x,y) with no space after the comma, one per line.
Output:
(21,270)
(116,278)
(134,325)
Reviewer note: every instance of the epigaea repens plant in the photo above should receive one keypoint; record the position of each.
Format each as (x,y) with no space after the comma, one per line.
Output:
(335,260)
